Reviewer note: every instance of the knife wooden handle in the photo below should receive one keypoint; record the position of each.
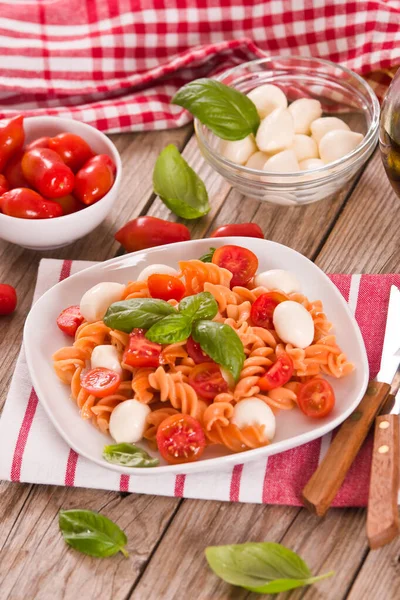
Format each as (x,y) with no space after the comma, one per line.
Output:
(383,513)
(327,479)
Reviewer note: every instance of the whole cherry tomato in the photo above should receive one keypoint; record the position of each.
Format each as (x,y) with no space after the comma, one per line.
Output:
(180,439)
(278,374)
(94,180)
(28,204)
(241,262)
(13,171)
(146,232)
(8,299)
(73,150)
(241,229)
(4,185)
(166,287)
(11,138)
(46,172)
(106,160)
(69,204)
(42,142)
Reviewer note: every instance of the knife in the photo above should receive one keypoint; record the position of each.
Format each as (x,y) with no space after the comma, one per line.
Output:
(323,486)
(383,514)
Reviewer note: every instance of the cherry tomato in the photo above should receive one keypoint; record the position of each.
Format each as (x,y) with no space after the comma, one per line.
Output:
(73,149)
(166,287)
(28,204)
(180,439)
(207,381)
(13,171)
(11,139)
(8,299)
(316,398)
(243,263)
(263,308)
(101,382)
(69,320)
(42,142)
(140,352)
(46,172)
(94,180)
(196,352)
(278,374)
(69,204)
(242,229)
(4,186)
(104,159)
(146,232)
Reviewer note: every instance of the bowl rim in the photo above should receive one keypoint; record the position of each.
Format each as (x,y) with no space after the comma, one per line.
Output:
(370,137)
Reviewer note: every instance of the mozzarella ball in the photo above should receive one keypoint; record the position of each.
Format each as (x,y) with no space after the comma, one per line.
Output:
(257,161)
(156,269)
(321,126)
(293,323)
(128,421)
(338,143)
(253,411)
(304,111)
(278,279)
(95,302)
(311,163)
(304,147)
(267,98)
(238,151)
(276,131)
(283,162)
(107,357)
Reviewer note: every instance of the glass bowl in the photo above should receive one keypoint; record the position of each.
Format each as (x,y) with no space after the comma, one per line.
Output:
(341,92)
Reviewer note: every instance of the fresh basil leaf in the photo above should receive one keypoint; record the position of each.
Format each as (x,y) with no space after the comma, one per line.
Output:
(137,312)
(172,329)
(200,306)
(230,114)
(207,257)
(178,186)
(92,533)
(265,567)
(128,455)
(221,343)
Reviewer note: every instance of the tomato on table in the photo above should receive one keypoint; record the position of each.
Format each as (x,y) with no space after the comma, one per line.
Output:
(94,179)
(180,439)
(11,138)
(101,382)
(42,142)
(73,149)
(13,171)
(45,171)
(28,204)
(166,287)
(207,381)
(196,352)
(4,185)
(316,398)
(70,319)
(239,229)
(147,232)
(278,374)
(8,299)
(241,262)
(262,309)
(69,204)
(141,352)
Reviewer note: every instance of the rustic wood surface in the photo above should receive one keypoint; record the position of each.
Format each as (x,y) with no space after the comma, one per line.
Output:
(357,231)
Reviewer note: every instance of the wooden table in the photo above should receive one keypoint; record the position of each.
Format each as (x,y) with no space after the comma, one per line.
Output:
(356,232)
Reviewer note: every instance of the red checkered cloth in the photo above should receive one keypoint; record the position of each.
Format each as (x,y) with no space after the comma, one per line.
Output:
(116,63)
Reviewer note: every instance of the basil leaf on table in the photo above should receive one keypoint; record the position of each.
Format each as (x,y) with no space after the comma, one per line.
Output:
(172,329)
(221,343)
(128,455)
(229,114)
(207,257)
(178,186)
(137,312)
(264,567)
(200,306)
(92,533)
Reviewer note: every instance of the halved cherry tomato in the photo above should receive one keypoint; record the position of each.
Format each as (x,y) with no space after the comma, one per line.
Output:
(4,185)
(13,171)
(196,352)
(94,179)
(69,204)
(241,262)
(28,204)
(73,149)
(146,232)
(278,374)
(8,299)
(316,398)
(70,319)
(166,287)
(46,172)
(263,308)
(11,138)
(241,229)
(42,142)
(207,381)
(101,382)
(180,439)
(140,352)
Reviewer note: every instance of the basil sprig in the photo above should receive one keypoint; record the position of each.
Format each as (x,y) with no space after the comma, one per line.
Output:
(92,533)
(221,343)
(229,114)
(200,306)
(178,186)
(137,312)
(207,257)
(129,455)
(264,568)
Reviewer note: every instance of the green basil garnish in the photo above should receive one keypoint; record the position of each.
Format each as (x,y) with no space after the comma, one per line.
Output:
(178,186)
(200,306)
(221,343)
(207,257)
(129,455)
(92,533)
(229,114)
(170,330)
(137,312)
(264,567)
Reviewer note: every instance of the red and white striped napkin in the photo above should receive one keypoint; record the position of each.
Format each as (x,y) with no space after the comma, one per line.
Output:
(32,451)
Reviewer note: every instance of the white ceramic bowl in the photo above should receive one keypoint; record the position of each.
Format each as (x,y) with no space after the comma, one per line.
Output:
(42,338)
(44,234)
